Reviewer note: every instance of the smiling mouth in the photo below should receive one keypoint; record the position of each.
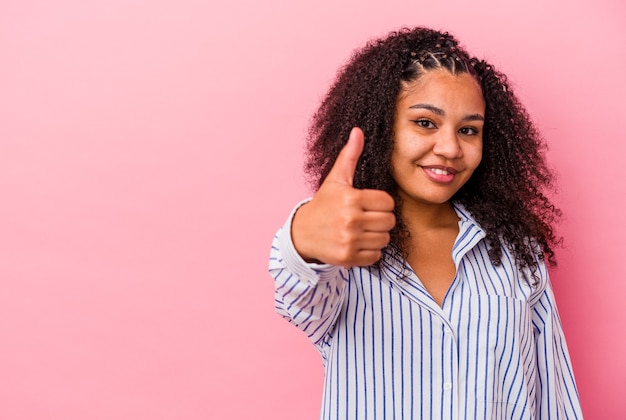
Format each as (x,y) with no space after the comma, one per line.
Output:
(441,171)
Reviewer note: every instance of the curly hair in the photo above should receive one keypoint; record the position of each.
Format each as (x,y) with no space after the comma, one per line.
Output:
(507,192)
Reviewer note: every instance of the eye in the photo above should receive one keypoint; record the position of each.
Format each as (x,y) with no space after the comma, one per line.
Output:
(468,131)
(424,123)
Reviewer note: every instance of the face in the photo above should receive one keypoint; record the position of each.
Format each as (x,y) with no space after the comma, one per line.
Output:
(438,136)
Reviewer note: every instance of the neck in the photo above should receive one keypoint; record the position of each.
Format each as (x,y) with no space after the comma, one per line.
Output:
(420,217)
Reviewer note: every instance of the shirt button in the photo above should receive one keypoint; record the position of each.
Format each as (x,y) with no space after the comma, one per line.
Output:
(447,386)
(448,331)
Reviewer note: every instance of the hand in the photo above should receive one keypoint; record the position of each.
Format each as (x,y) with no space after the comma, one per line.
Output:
(343,225)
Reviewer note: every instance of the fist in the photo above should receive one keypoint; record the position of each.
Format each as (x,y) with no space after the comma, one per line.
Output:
(343,225)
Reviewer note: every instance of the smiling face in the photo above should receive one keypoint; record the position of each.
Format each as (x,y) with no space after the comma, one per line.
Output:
(438,136)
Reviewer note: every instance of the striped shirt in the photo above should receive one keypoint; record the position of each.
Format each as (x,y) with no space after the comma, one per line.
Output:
(494,350)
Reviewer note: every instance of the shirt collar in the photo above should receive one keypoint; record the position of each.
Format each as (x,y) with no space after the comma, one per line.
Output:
(470,234)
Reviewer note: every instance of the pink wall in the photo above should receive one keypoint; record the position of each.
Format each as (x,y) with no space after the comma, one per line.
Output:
(150,149)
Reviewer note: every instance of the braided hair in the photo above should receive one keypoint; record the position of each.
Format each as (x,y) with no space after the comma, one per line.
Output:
(506,194)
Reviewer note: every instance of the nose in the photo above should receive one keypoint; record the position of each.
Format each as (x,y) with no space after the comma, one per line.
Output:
(447,145)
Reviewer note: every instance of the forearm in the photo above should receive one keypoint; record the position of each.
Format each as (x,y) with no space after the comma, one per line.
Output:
(308,295)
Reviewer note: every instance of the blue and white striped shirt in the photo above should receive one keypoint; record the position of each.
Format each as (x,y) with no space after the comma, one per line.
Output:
(494,350)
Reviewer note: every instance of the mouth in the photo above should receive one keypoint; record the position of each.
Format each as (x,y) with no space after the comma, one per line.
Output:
(440,174)
(440,170)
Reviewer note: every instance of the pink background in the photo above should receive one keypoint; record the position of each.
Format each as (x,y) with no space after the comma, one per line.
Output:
(150,149)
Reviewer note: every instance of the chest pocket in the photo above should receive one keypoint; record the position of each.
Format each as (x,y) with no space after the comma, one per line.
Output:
(497,357)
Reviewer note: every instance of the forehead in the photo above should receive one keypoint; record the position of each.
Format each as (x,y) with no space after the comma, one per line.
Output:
(440,87)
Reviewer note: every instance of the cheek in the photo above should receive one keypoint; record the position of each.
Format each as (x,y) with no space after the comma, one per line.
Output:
(474,155)
(409,148)
(401,163)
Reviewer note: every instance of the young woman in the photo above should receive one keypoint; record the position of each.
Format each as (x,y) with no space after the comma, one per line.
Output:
(418,269)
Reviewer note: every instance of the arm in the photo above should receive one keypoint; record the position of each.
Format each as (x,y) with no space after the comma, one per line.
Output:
(308,295)
(557,395)
(340,227)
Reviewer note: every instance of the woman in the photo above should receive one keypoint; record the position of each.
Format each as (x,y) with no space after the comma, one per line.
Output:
(418,269)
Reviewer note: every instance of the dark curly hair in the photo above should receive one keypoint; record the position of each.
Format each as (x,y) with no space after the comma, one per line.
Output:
(507,192)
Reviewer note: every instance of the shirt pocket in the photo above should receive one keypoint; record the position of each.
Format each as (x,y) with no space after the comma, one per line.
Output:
(500,334)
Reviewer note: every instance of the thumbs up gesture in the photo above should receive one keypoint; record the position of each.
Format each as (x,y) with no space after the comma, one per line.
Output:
(343,225)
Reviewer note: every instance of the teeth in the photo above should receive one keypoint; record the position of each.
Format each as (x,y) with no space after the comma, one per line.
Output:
(439,171)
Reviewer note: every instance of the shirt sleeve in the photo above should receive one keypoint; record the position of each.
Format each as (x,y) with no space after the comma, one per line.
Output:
(557,395)
(307,295)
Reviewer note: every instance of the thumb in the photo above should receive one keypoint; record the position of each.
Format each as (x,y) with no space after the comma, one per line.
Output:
(345,165)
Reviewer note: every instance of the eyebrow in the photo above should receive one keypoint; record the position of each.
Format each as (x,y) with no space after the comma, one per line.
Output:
(439,111)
